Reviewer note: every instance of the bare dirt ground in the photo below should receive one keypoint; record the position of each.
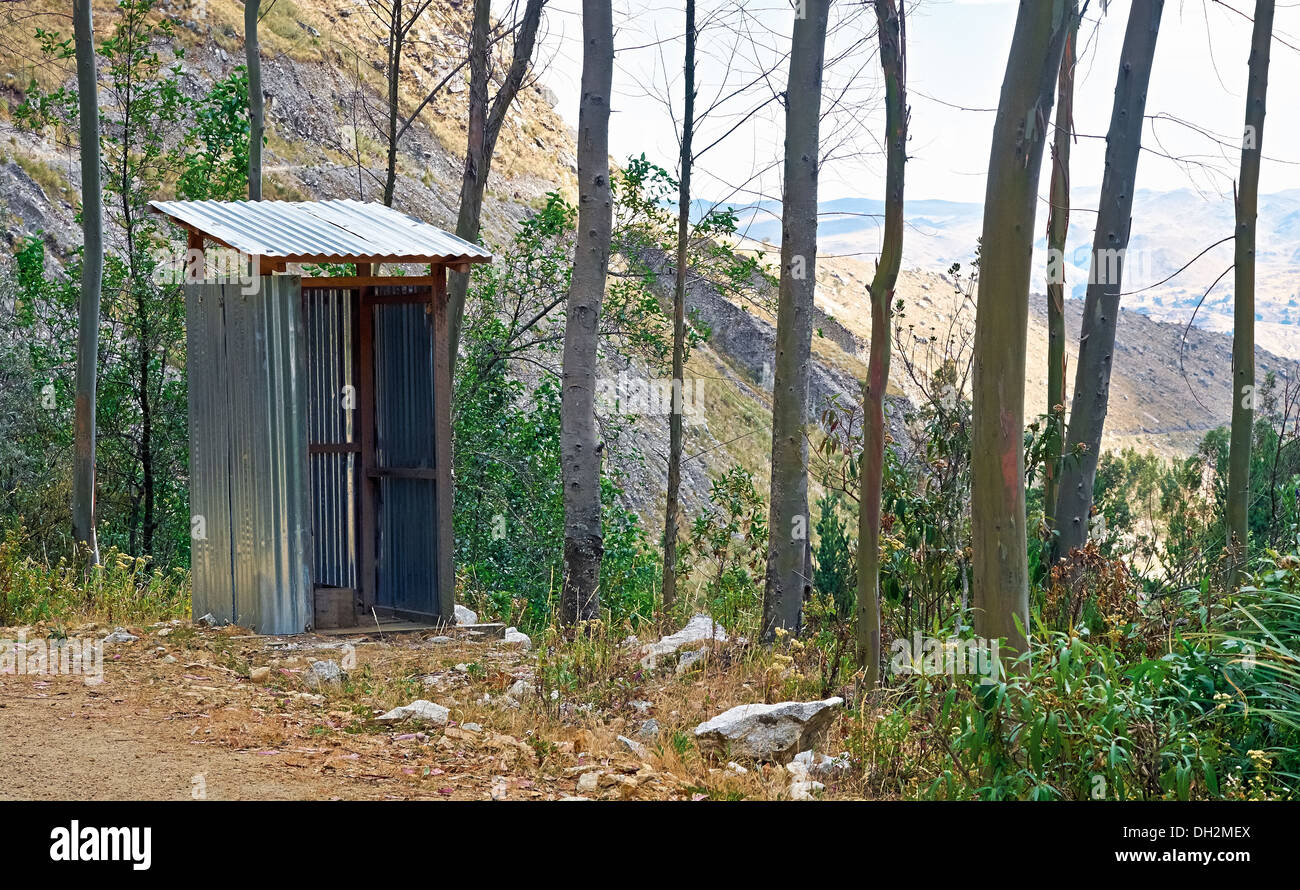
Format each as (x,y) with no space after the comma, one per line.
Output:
(193,712)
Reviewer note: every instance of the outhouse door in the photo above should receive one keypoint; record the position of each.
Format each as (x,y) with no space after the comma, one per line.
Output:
(411,445)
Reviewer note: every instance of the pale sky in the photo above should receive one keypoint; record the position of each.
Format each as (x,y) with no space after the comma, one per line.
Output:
(957,52)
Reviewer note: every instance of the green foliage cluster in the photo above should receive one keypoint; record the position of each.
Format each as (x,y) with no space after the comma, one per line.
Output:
(726,549)
(156,140)
(121,588)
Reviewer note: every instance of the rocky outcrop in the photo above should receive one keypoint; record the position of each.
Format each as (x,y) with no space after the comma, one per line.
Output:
(774,733)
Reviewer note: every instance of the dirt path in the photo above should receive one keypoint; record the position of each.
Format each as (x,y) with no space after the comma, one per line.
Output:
(71,743)
(178,717)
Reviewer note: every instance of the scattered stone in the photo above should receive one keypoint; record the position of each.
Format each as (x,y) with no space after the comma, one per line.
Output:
(471,727)
(440,640)
(169,659)
(640,706)
(589,781)
(120,635)
(808,763)
(648,731)
(806,790)
(515,637)
(462,667)
(635,747)
(574,797)
(688,659)
(324,673)
(499,788)
(581,768)
(768,732)
(166,631)
(259,674)
(519,690)
(465,615)
(736,768)
(208,620)
(700,627)
(420,709)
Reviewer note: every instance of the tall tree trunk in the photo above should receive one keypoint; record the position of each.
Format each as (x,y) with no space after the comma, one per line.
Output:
(788,523)
(92,268)
(999,568)
(1243,312)
(1058,227)
(484,128)
(256,107)
(893,61)
(395,37)
(679,319)
(1101,306)
(580,452)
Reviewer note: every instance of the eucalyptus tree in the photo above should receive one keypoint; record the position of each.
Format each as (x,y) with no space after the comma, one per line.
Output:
(892,27)
(1101,305)
(1243,327)
(92,274)
(256,102)
(1000,573)
(788,525)
(580,450)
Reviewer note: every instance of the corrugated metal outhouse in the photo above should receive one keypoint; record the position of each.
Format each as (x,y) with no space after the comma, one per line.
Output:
(320,424)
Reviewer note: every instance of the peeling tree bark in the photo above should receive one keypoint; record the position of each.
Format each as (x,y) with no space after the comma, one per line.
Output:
(92,268)
(1101,306)
(1000,571)
(579,449)
(1058,227)
(1243,313)
(788,521)
(679,318)
(893,55)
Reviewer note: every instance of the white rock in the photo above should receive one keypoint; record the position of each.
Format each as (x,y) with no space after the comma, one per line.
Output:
(515,637)
(420,709)
(736,768)
(688,660)
(635,747)
(120,635)
(809,763)
(648,731)
(589,781)
(465,615)
(806,790)
(324,673)
(519,690)
(768,732)
(700,627)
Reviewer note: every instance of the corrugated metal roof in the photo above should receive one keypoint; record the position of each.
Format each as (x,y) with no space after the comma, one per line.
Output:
(322,231)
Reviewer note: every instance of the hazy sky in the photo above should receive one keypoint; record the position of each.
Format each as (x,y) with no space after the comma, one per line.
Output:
(957,55)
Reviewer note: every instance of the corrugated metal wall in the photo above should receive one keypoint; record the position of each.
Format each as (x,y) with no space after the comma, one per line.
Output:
(405,428)
(248,454)
(332,419)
